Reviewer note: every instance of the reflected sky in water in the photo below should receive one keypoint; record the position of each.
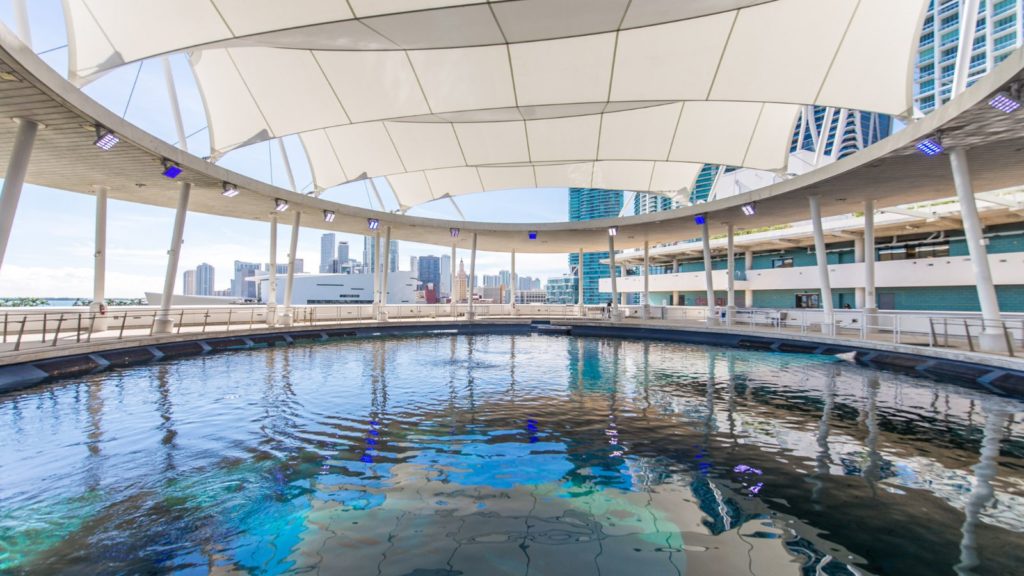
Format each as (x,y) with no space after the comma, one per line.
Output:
(510,455)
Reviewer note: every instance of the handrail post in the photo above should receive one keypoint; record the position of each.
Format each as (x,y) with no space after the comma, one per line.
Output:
(967,330)
(1009,340)
(56,334)
(124,320)
(5,326)
(92,322)
(21,331)
(78,330)
(252,316)
(932,342)
(206,319)
(181,320)
(43,336)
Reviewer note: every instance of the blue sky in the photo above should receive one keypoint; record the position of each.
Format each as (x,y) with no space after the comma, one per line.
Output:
(51,248)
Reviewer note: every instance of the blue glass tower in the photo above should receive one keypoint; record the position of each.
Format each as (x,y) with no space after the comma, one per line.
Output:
(590,204)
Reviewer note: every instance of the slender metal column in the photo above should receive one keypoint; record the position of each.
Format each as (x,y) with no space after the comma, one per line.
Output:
(163,324)
(730,303)
(858,258)
(579,285)
(451,288)
(471,284)
(172,93)
(822,257)
(272,274)
(647,280)
(992,338)
(287,317)
(17,167)
(98,306)
(870,299)
(708,278)
(375,269)
(675,293)
(614,276)
(748,265)
(384,273)
(512,289)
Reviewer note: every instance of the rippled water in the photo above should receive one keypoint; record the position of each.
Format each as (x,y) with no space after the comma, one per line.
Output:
(509,455)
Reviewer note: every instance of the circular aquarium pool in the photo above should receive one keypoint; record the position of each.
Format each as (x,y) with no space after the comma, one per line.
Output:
(501,454)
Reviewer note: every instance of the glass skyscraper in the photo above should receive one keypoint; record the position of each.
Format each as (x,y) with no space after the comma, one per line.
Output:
(590,204)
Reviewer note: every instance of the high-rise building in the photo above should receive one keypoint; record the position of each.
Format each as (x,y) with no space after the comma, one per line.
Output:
(491,280)
(241,287)
(461,284)
(281,268)
(446,275)
(429,271)
(997,32)
(563,289)
(343,252)
(370,256)
(414,266)
(188,281)
(644,203)
(327,252)
(590,204)
(204,280)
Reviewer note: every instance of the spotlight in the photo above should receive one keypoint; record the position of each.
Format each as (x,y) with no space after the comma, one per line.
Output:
(105,139)
(372,223)
(700,219)
(280,205)
(532,234)
(329,215)
(749,209)
(230,190)
(613,231)
(930,146)
(454,232)
(171,170)
(1004,102)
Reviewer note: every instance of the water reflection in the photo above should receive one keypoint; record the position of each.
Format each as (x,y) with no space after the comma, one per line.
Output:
(510,454)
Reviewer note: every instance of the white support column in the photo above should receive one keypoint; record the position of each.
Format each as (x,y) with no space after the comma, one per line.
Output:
(98,306)
(675,293)
(708,279)
(287,164)
(288,316)
(730,302)
(579,286)
(272,274)
(172,93)
(17,167)
(471,283)
(385,261)
(375,264)
(512,281)
(163,324)
(748,265)
(992,338)
(822,257)
(870,299)
(451,288)
(858,258)
(647,280)
(22,23)
(614,277)
(965,46)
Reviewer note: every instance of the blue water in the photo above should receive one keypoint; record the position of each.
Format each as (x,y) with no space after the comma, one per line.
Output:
(509,455)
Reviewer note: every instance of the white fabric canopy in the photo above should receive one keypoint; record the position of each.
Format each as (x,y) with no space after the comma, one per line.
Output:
(450,97)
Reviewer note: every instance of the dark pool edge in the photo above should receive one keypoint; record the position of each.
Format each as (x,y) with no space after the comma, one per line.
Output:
(995,379)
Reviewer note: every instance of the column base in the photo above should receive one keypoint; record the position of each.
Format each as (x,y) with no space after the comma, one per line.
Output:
(470,315)
(730,315)
(992,342)
(98,322)
(617,315)
(163,326)
(285,319)
(271,315)
(645,312)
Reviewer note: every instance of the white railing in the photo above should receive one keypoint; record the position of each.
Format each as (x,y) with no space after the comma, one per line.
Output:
(22,328)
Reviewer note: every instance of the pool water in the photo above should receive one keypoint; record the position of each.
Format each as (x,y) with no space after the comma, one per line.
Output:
(500,454)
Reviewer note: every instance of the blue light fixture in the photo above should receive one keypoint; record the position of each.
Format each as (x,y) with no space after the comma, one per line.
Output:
(930,147)
(700,219)
(749,209)
(372,223)
(454,232)
(1004,102)
(532,234)
(105,139)
(171,170)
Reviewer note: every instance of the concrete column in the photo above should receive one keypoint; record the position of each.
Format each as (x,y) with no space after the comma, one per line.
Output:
(748,265)
(287,317)
(579,286)
(647,280)
(730,308)
(870,299)
(99,322)
(163,324)
(992,338)
(451,288)
(272,274)
(471,315)
(708,280)
(858,258)
(822,257)
(614,276)
(675,293)
(512,288)
(385,269)
(17,167)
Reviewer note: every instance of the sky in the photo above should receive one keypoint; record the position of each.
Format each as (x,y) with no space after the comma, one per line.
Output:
(52,243)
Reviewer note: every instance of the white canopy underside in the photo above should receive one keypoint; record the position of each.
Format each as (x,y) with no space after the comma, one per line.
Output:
(449,97)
